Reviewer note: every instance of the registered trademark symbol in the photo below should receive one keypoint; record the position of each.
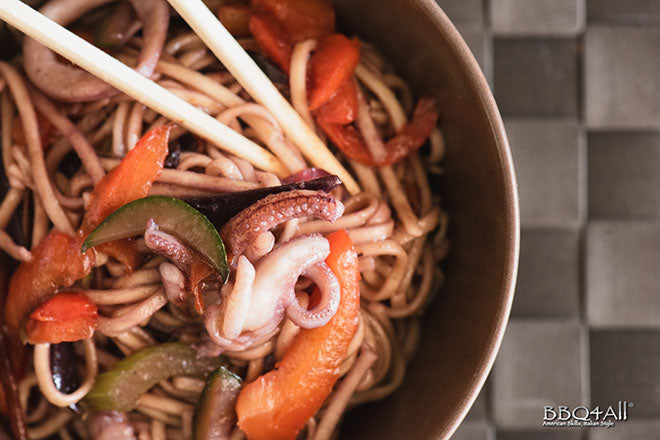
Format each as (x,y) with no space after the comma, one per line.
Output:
(630,404)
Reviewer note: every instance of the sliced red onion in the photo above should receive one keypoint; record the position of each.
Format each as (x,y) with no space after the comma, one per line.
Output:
(273,210)
(328,284)
(168,246)
(220,208)
(65,82)
(61,80)
(305,175)
(110,425)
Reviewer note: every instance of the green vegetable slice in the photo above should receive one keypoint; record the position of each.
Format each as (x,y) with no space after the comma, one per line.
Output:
(215,414)
(120,388)
(173,216)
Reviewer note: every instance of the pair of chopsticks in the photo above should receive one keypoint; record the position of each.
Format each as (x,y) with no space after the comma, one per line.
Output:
(228,51)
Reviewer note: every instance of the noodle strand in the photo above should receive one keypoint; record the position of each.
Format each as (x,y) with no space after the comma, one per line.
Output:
(31,132)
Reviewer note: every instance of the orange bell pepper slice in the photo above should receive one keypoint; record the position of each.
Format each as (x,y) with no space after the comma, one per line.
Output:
(300,19)
(128,181)
(66,317)
(272,39)
(331,65)
(277,25)
(278,404)
(342,108)
(409,139)
(131,179)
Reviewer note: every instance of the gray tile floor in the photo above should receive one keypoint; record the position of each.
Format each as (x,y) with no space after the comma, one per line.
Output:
(578,85)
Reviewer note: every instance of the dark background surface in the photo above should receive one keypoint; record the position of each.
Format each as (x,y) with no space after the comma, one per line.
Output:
(578,85)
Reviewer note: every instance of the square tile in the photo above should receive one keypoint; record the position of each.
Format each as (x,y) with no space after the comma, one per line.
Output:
(474,430)
(622,77)
(536,77)
(548,162)
(539,364)
(629,12)
(467,13)
(625,366)
(548,274)
(623,175)
(537,17)
(541,434)
(629,430)
(622,276)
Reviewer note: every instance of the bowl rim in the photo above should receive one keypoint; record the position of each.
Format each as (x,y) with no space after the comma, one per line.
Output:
(478,82)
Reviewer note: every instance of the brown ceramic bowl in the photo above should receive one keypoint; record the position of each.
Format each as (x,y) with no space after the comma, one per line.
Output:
(465,323)
(464,326)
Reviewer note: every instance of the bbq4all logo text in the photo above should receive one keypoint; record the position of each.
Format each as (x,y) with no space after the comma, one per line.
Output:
(583,416)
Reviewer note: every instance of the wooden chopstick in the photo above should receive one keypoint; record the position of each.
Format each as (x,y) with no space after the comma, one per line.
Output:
(259,86)
(122,77)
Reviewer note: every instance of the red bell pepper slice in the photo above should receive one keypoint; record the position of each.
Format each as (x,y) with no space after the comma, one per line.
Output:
(66,317)
(199,271)
(331,65)
(56,262)
(272,39)
(300,19)
(124,251)
(416,132)
(278,404)
(348,140)
(409,139)
(342,108)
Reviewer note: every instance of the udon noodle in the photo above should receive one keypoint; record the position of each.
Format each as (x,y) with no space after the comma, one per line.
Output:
(396,224)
